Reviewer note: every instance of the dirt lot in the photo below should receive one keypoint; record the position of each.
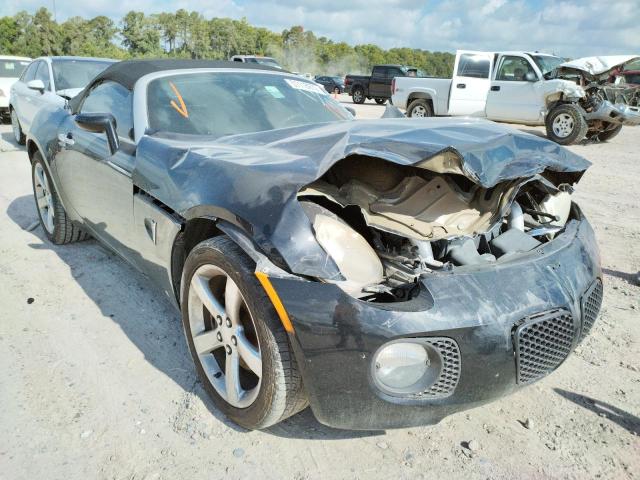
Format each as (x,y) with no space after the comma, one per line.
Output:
(97,381)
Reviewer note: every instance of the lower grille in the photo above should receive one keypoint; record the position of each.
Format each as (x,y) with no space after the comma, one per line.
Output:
(591,303)
(542,342)
(447,381)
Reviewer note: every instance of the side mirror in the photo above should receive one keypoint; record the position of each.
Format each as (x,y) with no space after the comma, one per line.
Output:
(100,123)
(531,77)
(36,85)
(351,110)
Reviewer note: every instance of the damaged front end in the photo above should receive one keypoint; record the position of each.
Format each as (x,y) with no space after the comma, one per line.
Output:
(606,101)
(387,226)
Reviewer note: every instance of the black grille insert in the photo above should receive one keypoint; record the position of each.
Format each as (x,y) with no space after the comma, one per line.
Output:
(591,303)
(449,358)
(542,342)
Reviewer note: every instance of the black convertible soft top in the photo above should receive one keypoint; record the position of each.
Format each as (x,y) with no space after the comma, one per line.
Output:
(128,72)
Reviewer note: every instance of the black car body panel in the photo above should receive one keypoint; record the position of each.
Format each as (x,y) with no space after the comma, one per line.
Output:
(337,335)
(140,200)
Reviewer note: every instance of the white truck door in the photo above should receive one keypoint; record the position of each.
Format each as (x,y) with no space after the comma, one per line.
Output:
(515,94)
(470,83)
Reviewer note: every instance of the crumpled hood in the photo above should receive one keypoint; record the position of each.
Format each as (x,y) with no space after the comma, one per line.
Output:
(599,65)
(252,180)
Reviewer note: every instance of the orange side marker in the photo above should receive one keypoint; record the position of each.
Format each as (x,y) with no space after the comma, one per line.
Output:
(273,296)
(182,109)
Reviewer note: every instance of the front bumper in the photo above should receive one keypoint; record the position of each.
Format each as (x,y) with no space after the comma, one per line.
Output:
(336,335)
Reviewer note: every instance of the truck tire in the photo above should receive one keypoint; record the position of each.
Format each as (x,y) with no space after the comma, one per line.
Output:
(566,125)
(608,134)
(357,95)
(419,107)
(380,101)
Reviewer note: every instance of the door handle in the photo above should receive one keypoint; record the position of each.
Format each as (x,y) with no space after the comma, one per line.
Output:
(65,139)
(495,88)
(461,85)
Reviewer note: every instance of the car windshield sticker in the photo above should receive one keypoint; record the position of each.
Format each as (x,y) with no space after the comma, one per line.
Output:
(300,85)
(9,66)
(182,109)
(274,91)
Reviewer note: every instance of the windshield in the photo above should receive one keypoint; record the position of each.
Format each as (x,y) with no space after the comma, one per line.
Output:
(76,73)
(228,103)
(413,72)
(547,63)
(338,79)
(12,68)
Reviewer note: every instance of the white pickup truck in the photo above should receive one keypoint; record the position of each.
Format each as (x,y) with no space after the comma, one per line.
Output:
(573,100)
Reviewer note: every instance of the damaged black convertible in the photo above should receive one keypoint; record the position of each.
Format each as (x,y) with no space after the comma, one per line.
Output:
(387,272)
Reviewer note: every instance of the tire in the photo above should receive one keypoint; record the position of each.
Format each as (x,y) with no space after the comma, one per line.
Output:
(357,95)
(419,107)
(607,134)
(279,392)
(58,228)
(380,101)
(566,125)
(18,134)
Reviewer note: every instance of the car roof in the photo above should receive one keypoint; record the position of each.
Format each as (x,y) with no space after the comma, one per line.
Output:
(128,72)
(9,57)
(83,59)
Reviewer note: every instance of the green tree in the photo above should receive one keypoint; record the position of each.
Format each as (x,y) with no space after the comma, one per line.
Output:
(141,35)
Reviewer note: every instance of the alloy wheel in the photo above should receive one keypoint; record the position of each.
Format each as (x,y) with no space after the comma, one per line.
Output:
(44,197)
(357,96)
(563,125)
(224,336)
(15,126)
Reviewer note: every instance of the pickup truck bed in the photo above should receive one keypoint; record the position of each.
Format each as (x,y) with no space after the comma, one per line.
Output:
(378,85)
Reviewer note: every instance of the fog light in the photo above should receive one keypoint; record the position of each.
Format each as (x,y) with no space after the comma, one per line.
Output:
(400,365)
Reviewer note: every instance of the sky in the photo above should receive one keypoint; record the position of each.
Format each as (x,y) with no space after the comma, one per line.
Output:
(570,28)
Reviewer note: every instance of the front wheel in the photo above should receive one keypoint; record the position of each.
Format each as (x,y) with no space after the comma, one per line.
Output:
(238,344)
(357,95)
(566,125)
(51,213)
(17,129)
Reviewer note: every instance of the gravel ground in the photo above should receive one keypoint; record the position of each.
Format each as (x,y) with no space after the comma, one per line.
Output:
(97,381)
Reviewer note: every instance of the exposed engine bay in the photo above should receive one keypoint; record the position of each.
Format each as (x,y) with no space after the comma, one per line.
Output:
(607,98)
(387,225)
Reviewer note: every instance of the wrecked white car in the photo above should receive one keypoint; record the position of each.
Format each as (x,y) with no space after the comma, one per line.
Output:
(574,100)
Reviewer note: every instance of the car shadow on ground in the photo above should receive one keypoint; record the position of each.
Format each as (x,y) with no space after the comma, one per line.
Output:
(94,268)
(9,138)
(630,278)
(626,420)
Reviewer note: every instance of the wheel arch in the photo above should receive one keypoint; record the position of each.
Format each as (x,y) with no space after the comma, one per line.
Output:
(421,95)
(199,228)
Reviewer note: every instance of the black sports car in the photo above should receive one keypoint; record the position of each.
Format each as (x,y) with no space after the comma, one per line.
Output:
(387,272)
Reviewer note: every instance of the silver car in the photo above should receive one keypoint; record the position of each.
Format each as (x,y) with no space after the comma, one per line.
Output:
(49,81)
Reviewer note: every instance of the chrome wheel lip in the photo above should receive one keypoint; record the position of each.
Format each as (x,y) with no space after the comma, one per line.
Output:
(15,125)
(44,197)
(228,335)
(563,125)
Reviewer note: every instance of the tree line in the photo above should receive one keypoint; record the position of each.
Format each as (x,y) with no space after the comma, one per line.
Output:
(184,34)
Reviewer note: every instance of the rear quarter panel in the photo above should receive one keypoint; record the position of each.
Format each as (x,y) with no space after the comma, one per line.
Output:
(436,89)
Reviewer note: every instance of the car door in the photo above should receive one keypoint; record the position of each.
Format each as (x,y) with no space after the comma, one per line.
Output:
(24,97)
(46,97)
(515,91)
(377,82)
(96,185)
(470,83)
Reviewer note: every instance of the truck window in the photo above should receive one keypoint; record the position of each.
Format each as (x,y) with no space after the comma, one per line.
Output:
(514,69)
(474,66)
(381,71)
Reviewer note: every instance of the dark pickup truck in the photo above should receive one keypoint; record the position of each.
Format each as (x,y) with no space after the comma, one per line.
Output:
(378,84)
